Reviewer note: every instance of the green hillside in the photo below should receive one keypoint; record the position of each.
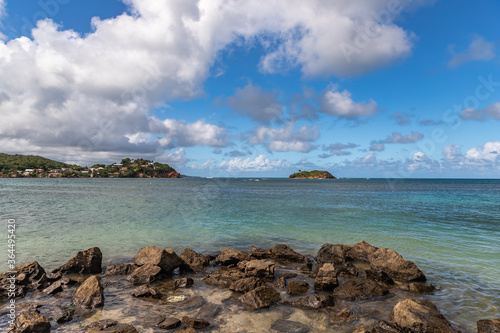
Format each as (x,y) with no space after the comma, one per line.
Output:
(315,174)
(12,163)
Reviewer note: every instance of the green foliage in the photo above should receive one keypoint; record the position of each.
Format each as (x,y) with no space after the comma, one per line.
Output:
(12,163)
(311,174)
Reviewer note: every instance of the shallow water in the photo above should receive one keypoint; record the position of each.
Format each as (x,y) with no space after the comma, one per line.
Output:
(450,228)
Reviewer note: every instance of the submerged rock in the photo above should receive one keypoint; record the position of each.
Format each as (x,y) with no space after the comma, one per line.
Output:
(169,323)
(84,262)
(311,302)
(166,259)
(108,325)
(342,317)
(62,315)
(417,288)
(286,253)
(191,303)
(224,277)
(90,294)
(209,311)
(297,287)
(488,326)
(246,284)
(195,261)
(360,289)
(145,291)
(420,316)
(31,322)
(288,326)
(195,323)
(124,269)
(261,297)
(145,274)
(183,283)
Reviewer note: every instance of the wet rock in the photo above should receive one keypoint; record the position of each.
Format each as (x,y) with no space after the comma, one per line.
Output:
(195,261)
(246,284)
(85,262)
(311,302)
(326,279)
(183,283)
(359,251)
(166,259)
(169,323)
(224,277)
(62,315)
(488,326)
(124,269)
(232,257)
(395,266)
(29,277)
(90,294)
(420,316)
(260,297)
(297,287)
(344,316)
(31,322)
(195,323)
(258,253)
(145,274)
(288,276)
(361,329)
(145,291)
(331,253)
(209,311)
(54,288)
(386,327)
(187,330)
(288,326)
(191,303)
(376,275)
(417,288)
(286,253)
(260,268)
(359,289)
(108,325)
(280,283)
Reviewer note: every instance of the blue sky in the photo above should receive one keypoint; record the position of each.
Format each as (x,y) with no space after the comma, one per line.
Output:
(380,88)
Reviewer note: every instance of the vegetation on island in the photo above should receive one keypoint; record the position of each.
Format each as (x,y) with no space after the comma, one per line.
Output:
(315,174)
(37,166)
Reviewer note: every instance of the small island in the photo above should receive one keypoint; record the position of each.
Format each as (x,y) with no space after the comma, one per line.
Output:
(18,166)
(315,174)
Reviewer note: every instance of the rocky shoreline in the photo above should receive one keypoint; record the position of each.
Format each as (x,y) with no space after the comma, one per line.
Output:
(345,288)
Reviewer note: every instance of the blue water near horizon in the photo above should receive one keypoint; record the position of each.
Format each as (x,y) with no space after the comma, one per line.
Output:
(449,227)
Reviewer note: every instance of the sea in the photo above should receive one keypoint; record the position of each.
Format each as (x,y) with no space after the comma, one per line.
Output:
(449,227)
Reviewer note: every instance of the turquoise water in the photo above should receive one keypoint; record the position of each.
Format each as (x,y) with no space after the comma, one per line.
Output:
(450,228)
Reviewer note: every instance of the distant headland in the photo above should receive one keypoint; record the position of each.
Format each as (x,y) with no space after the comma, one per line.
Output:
(14,166)
(315,174)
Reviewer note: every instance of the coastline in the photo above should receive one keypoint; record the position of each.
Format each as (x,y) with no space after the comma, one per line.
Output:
(343,288)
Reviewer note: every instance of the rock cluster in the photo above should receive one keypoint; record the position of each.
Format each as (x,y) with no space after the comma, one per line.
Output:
(336,275)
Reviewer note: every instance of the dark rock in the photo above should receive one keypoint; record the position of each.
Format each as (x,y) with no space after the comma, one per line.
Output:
(209,311)
(297,287)
(286,253)
(359,251)
(395,266)
(166,259)
(183,283)
(376,275)
(326,279)
(260,297)
(108,325)
(331,253)
(145,291)
(258,253)
(54,288)
(246,284)
(31,322)
(288,326)
(124,269)
(260,268)
(29,277)
(169,323)
(288,276)
(361,329)
(224,277)
(417,288)
(191,303)
(145,274)
(62,315)
(187,330)
(195,323)
(359,289)
(232,257)
(90,294)
(386,327)
(488,326)
(420,316)
(85,262)
(280,283)
(51,277)
(311,302)
(344,316)
(195,261)
(67,281)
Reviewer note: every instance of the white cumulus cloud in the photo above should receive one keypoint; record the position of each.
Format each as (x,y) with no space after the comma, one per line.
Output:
(260,163)
(478,50)
(286,139)
(340,104)
(485,155)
